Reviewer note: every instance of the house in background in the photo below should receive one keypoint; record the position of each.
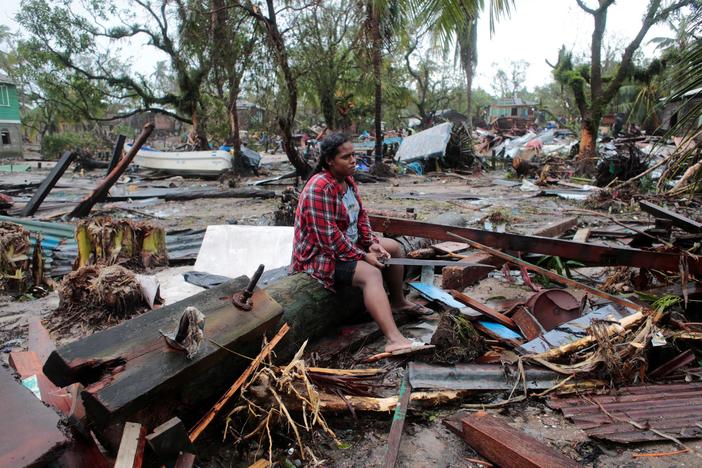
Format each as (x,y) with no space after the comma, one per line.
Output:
(511,107)
(10,135)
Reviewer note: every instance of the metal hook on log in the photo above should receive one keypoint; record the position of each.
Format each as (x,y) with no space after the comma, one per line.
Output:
(241,299)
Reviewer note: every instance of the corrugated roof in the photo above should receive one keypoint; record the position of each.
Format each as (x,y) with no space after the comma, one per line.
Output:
(6,79)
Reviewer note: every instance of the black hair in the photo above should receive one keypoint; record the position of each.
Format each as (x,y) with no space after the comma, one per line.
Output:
(328,149)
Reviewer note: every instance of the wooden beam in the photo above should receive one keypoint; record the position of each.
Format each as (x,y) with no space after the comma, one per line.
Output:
(556,229)
(130,374)
(83,208)
(116,152)
(169,440)
(678,220)
(590,254)
(483,309)
(509,447)
(582,235)
(29,435)
(47,184)
(126,367)
(131,449)
(398,422)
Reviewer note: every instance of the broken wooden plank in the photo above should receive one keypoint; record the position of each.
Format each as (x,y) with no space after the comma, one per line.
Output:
(100,192)
(27,364)
(116,152)
(509,447)
(398,422)
(131,449)
(683,222)
(582,235)
(590,254)
(209,416)
(47,184)
(130,364)
(557,228)
(483,309)
(185,460)
(29,432)
(169,440)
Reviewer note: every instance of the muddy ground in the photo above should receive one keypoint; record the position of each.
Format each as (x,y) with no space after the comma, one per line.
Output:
(499,204)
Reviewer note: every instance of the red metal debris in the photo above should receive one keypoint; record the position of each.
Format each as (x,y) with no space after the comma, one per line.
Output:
(637,414)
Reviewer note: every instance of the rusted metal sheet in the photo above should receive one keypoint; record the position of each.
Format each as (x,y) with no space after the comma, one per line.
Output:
(637,414)
(590,254)
(678,220)
(506,446)
(553,307)
(478,377)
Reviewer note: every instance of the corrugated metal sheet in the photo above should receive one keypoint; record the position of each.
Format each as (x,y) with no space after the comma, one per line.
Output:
(60,247)
(634,414)
(478,377)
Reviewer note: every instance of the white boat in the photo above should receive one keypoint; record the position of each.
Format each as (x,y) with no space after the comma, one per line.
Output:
(200,163)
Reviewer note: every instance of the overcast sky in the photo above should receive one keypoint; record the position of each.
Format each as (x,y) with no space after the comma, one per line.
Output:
(534,32)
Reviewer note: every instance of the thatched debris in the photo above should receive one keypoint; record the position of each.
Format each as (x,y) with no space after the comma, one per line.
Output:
(263,407)
(456,340)
(19,265)
(95,297)
(106,241)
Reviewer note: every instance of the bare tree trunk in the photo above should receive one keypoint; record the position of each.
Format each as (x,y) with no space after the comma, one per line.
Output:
(468,51)
(198,134)
(588,137)
(377,65)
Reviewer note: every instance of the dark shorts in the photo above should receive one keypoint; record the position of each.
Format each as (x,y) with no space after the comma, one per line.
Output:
(343,273)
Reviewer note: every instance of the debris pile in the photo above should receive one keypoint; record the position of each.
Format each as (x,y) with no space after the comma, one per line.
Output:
(95,297)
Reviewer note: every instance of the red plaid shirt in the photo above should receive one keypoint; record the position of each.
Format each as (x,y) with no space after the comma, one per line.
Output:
(321,222)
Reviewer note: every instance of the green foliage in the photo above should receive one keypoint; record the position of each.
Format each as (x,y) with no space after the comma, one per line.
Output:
(556,264)
(52,146)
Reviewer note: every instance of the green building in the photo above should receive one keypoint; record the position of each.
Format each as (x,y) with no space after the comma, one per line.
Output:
(10,135)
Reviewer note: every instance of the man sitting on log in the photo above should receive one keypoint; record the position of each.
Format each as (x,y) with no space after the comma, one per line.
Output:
(333,242)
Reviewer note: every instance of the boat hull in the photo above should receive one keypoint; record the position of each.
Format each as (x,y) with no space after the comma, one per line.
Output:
(200,163)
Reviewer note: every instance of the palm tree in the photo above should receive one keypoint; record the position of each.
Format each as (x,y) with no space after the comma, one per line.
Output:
(455,23)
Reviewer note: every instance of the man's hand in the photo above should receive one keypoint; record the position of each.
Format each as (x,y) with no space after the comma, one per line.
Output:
(380,252)
(372,258)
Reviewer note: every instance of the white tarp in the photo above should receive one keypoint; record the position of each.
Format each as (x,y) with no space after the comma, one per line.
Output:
(427,144)
(232,250)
